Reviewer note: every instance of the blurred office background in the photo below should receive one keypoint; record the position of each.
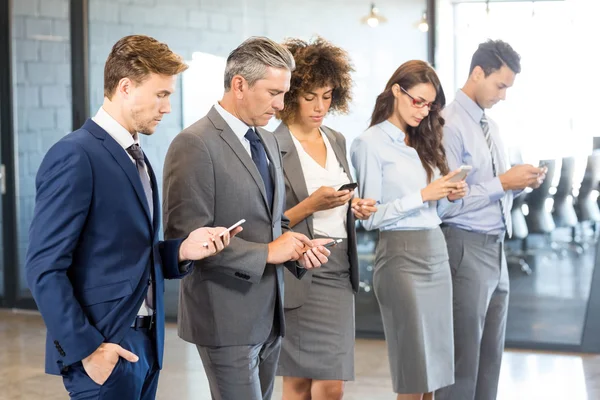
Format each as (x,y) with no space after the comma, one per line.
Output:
(52,54)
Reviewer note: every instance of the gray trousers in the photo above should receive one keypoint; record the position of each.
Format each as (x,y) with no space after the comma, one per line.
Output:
(242,372)
(480,303)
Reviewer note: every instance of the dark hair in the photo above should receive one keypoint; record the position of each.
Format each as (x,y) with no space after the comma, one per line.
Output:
(492,55)
(252,58)
(426,138)
(318,64)
(136,57)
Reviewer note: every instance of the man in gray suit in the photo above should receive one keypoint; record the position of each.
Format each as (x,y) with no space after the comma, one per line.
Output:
(475,231)
(219,170)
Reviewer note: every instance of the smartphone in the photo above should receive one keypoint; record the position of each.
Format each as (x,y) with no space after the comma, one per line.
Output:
(330,244)
(232,227)
(349,186)
(464,171)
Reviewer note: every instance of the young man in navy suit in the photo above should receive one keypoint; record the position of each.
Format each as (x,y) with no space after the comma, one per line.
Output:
(95,265)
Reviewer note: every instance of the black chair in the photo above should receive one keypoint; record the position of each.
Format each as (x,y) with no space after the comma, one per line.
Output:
(563,210)
(519,232)
(539,218)
(586,206)
(514,255)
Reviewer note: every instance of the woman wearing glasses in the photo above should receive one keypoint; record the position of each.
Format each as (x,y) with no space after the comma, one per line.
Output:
(400,162)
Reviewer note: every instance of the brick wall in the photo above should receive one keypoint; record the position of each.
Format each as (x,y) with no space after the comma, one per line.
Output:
(42,94)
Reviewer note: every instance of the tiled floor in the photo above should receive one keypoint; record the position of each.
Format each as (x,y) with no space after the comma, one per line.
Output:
(525,375)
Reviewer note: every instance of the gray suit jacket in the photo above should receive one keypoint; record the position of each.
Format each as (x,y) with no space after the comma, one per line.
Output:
(210,180)
(296,191)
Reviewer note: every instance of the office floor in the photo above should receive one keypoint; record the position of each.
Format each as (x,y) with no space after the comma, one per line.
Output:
(525,375)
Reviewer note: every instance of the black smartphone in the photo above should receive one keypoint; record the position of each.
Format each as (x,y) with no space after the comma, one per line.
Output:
(330,244)
(349,186)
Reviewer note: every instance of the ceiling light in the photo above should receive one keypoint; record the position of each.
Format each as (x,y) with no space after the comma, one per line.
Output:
(374,18)
(423,24)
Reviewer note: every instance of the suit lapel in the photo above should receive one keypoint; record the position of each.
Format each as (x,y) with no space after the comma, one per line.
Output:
(291,162)
(273,162)
(343,160)
(292,168)
(338,150)
(155,198)
(233,141)
(121,157)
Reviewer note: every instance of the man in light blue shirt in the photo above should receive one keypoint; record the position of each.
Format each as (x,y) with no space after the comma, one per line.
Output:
(475,231)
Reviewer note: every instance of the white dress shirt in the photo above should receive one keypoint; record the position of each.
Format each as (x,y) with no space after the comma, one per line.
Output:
(332,222)
(239,128)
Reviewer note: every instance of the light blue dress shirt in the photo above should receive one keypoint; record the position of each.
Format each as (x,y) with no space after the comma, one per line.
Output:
(465,144)
(391,173)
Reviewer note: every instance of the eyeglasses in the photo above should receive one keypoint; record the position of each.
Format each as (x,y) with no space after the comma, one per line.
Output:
(418,103)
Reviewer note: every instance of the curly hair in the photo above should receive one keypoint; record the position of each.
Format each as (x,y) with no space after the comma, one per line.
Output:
(426,138)
(318,64)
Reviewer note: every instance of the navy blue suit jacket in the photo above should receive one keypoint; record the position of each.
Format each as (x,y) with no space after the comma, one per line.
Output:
(92,245)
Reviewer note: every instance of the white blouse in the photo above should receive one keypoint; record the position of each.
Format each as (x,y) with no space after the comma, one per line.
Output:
(332,222)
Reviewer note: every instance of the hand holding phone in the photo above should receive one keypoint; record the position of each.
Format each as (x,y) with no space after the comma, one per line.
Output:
(348,186)
(329,244)
(327,197)
(464,171)
(232,227)
(332,243)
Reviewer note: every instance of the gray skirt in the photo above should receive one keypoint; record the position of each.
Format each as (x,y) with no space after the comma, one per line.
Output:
(319,335)
(413,285)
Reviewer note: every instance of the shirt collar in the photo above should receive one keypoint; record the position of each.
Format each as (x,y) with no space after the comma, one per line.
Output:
(114,129)
(392,131)
(237,126)
(469,106)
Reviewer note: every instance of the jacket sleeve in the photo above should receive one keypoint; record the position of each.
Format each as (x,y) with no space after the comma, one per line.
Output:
(64,188)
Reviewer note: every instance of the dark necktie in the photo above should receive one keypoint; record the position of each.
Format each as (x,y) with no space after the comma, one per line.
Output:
(491,145)
(135,151)
(259,157)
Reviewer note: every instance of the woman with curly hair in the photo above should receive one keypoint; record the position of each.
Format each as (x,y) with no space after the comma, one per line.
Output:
(401,163)
(317,353)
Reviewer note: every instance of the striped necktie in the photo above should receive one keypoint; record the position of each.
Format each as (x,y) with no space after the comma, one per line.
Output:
(135,151)
(485,126)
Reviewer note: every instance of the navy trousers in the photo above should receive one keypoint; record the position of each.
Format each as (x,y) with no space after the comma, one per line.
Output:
(128,381)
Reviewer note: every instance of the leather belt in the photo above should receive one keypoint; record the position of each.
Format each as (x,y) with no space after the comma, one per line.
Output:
(143,322)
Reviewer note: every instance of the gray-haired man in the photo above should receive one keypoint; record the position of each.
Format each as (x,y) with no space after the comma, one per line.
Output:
(221,169)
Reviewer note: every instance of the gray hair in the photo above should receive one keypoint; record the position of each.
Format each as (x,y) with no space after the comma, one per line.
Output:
(252,58)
